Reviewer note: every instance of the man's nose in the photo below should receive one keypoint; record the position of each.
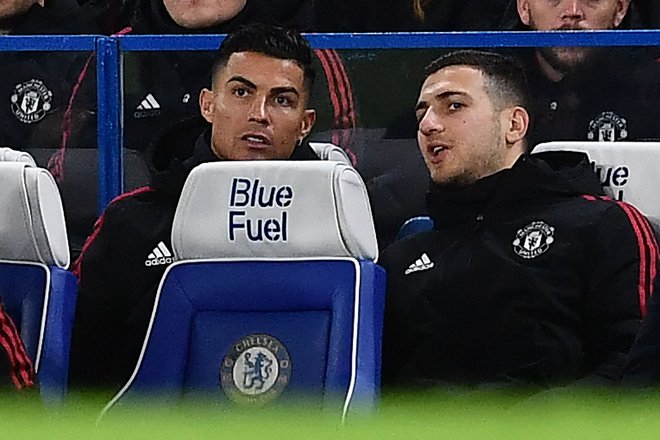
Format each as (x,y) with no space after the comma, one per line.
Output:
(430,123)
(572,11)
(259,110)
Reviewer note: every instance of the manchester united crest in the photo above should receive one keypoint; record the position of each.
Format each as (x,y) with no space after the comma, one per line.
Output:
(533,240)
(256,370)
(31,101)
(608,127)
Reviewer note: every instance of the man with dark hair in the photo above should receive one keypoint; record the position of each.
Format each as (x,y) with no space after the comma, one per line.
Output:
(587,93)
(257,108)
(531,276)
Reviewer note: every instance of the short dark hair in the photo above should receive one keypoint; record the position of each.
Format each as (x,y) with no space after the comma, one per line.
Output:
(505,80)
(273,41)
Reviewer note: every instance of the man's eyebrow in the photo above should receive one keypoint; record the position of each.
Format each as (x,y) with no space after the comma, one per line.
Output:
(278,90)
(421,105)
(242,80)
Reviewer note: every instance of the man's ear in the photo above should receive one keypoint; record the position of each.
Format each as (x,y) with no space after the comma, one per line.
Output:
(206,104)
(518,124)
(621,11)
(309,118)
(523,11)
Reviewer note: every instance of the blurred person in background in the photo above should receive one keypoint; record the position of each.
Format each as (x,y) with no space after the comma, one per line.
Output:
(588,93)
(408,15)
(48,98)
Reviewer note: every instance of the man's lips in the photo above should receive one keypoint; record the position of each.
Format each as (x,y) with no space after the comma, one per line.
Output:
(256,140)
(438,152)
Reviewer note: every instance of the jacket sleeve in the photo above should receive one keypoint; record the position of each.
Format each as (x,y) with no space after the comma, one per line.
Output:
(100,305)
(15,364)
(622,277)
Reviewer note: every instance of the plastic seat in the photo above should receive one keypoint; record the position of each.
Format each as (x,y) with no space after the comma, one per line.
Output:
(274,295)
(38,291)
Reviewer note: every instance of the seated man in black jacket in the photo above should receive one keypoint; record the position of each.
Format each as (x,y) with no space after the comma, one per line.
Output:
(531,275)
(257,109)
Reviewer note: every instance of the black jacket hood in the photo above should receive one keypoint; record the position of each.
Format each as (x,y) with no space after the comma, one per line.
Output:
(545,175)
(59,17)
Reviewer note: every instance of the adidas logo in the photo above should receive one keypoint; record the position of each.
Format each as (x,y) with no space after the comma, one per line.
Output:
(148,107)
(422,263)
(160,255)
(148,103)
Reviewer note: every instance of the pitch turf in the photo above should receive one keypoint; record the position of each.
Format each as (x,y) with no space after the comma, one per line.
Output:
(476,415)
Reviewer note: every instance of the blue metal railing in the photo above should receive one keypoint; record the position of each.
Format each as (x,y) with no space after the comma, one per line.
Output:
(110,52)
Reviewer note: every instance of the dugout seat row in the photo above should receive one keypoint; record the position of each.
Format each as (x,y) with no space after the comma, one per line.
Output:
(316,303)
(274,295)
(37,289)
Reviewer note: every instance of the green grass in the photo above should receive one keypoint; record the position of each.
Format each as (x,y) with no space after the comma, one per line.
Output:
(480,415)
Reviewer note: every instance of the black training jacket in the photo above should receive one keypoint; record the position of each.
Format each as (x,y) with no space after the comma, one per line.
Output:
(531,277)
(121,265)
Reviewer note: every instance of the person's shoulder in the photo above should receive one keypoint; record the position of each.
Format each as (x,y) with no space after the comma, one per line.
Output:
(141,199)
(404,251)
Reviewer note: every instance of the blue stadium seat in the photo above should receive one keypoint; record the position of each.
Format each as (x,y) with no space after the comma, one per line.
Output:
(38,291)
(415,225)
(275,293)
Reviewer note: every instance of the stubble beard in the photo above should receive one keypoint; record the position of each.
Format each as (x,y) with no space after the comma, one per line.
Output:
(476,166)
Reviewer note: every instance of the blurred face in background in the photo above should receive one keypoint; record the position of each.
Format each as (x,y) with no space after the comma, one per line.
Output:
(14,8)
(553,15)
(197,14)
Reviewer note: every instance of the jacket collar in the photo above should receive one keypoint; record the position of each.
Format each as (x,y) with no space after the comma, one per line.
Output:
(532,178)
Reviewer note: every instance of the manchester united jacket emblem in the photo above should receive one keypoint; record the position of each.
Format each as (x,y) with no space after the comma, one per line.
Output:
(31,101)
(608,127)
(533,240)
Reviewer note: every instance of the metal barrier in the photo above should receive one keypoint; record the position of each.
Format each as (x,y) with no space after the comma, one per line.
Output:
(110,50)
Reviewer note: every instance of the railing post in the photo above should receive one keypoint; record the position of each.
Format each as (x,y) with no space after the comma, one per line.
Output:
(110,120)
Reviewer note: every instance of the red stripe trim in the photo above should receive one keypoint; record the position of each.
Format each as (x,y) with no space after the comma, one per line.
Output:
(341,95)
(342,113)
(8,345)
(25,367)
(76,269)
(20,365)
(347,89)
(321,54)
(651,243)
(642,291)
(646,244)
(12,373)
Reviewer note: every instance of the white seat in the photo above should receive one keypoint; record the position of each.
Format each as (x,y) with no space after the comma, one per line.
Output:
(32,225)
(328,151)
(10,155)
(320,206)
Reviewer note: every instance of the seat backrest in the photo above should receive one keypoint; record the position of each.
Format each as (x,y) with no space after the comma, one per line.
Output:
(328,151)
(415,225)
(627,170)
(38,291)
(10,155)
(275,291)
